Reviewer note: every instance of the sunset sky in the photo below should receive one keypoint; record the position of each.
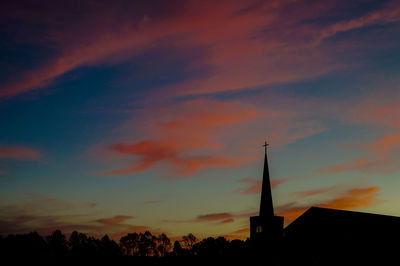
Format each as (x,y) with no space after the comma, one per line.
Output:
(124,116)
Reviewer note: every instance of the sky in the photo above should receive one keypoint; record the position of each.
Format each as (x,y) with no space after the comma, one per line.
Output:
(127,116)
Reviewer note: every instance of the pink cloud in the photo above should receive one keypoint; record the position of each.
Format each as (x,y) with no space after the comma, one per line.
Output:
(185,138)
(20,153)
(229,35)
(196,135)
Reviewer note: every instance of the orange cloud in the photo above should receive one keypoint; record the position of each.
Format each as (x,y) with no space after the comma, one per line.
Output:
(385,145)
(354,199)
(312,192)
(116,220)
(214,217)
(353,165)
(20,153)
(349,200)
(227,221)
(240,231)
(238,234)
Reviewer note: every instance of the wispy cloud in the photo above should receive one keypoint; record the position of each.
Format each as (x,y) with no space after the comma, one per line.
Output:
(116,220)
(243,43)
(313,192)
(388,14)
(381,158)
(214,216)
(20,153)
(350,199)
(195,135)
(184,138)
(46,214)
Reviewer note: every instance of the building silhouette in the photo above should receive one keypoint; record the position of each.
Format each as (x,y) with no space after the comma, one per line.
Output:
(266,230)
(322,236)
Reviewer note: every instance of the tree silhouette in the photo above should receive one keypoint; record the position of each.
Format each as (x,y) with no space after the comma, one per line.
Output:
(109,248)
(129,243)
(57,243)
(134,249)
(164,244)
(147,244)
(211,247)
(178,251)
(189,240)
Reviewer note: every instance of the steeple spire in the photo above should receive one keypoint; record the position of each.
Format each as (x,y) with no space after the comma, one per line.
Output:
(266,206)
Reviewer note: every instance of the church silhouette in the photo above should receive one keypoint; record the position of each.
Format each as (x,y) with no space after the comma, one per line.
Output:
(322,236)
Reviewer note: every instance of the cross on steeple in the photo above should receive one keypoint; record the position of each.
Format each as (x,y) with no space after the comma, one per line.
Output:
(265,146)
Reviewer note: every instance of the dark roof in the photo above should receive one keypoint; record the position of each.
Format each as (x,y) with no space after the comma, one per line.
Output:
(320,219)
(322,236)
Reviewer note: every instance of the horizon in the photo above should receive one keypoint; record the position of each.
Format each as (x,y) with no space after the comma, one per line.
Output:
(129,116)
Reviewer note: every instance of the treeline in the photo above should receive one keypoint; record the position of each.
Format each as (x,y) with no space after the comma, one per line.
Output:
(133,247)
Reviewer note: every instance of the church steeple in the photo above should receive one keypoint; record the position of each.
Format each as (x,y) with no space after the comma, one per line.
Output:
(266,206)
(266,230)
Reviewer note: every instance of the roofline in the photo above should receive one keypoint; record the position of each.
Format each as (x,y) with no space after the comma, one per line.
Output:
(338,210)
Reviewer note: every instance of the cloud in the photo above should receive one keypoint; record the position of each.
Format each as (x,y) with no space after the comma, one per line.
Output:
(44,215)
(227,221)
(240,231)
(184,138)
(353,165)
(223,217)
(214,216)
(243,44)
(384,152)
(313,192)
(256,185)
(350,199)
(201,134)
(238,234)
(152,152)
(116,220)
(388,14)
(20,153)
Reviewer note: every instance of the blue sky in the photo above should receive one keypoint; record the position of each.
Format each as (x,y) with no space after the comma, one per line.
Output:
(131,116)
